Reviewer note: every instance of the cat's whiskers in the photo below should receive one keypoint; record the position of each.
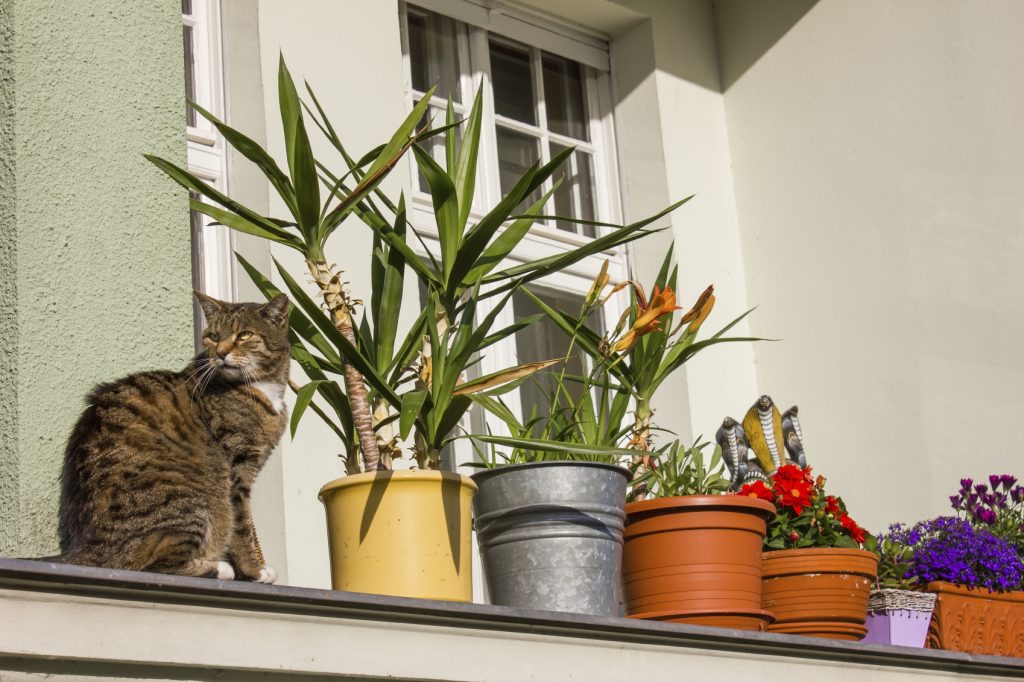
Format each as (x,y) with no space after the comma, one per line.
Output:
(206,378)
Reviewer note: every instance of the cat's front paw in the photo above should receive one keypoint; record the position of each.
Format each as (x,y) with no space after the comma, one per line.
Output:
(266,575)
(225,571)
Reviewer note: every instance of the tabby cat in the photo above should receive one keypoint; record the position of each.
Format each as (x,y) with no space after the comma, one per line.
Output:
(158,470)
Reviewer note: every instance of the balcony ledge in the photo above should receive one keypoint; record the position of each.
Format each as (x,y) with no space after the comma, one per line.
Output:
(75,623)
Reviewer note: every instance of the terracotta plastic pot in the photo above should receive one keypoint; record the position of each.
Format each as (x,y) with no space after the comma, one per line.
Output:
(977,621)
(697,560)
(403,533)
(819,592)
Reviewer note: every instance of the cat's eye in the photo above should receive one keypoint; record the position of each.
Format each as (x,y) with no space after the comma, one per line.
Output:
(242,336)
(213,336)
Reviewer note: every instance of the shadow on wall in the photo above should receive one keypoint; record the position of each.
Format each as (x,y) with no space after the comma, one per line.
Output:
(709,43)
(747,29)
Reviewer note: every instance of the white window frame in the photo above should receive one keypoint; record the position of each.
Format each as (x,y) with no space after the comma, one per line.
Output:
(538,33)
(212,256)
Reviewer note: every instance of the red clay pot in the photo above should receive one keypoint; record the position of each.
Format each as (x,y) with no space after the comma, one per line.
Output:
(697,560)
(819,592)
(977,621)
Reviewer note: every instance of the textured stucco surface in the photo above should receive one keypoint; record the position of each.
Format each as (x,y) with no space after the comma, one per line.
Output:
(100,237)
(8,284)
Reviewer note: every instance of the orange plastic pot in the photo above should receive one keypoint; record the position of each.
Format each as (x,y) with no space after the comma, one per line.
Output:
(697,560)
(819,592)
(977,621)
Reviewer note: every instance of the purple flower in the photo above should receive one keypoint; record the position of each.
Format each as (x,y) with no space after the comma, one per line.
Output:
(1007,481)
(965,484)
(955,499)
(994,480)
(981,489)
(952,550)
(987,516)
(1017,494)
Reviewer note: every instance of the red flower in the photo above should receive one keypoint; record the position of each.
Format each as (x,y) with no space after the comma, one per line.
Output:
(851,527)
(794,493)
(832,505)
(793,473)
(794,536)
(759,490)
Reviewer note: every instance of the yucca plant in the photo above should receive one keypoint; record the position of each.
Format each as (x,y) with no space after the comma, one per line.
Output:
(419,382)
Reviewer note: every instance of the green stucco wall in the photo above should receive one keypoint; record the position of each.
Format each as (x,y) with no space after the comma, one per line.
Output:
(95,274)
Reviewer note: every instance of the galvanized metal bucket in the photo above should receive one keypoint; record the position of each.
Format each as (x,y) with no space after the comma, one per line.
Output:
(550,535)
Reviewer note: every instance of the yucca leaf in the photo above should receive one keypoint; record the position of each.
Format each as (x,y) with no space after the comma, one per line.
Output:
(190,181)
(302,400)
(412,403)
(446,207)
(240,224)
(464,175)
(251,150)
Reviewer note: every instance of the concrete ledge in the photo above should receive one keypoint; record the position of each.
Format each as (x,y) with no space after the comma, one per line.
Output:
(77,623)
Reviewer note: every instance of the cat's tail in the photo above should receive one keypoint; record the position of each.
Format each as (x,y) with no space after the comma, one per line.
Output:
(55,559)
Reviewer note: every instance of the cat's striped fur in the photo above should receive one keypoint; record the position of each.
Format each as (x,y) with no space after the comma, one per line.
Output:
(159,468)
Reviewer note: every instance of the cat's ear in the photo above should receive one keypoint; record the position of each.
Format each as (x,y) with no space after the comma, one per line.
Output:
(210,305)
(276,311)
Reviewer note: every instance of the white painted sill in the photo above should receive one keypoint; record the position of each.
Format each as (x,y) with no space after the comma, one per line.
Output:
(76,623)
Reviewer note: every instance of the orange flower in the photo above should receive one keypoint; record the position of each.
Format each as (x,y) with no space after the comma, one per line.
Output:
(700,311)
(662,303)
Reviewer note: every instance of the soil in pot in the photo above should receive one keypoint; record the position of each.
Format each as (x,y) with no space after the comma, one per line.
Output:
(403,533)
(819,592)
(550,535)
(977,621)
(697,560)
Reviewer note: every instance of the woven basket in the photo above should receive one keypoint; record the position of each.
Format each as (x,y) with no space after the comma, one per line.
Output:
(881,601)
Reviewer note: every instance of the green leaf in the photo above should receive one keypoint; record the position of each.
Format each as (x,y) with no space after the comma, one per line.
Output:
(412,403)
(251,150)
(190,181)
(464,176)
(291,110)
(307,188)
(237,222)
(302,400)
(446,207)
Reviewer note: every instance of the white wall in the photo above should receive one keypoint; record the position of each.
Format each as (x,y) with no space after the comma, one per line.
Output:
(878,159)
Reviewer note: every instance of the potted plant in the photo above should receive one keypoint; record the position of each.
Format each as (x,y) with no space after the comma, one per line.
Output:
(550,514)
(972,563)
(692,553)
(817,574)
(390,397)
(899,609)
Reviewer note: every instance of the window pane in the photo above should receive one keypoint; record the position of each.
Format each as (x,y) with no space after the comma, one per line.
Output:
(190,79)
(434,54)
(574,198)
(544,341)
(186,6)
(516,153)
(513,83)
(563,97)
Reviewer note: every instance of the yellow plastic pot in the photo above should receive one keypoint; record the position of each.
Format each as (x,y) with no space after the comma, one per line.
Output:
(403,533)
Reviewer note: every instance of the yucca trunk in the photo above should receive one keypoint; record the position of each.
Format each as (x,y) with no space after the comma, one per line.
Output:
(340,307)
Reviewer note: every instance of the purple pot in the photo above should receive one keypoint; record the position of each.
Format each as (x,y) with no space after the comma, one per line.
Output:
(900,628)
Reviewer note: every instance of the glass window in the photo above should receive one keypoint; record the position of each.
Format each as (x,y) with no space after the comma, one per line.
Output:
(512,76)
(563,97)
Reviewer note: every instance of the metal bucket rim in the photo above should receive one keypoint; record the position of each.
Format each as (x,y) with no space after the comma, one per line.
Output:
(488,473)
